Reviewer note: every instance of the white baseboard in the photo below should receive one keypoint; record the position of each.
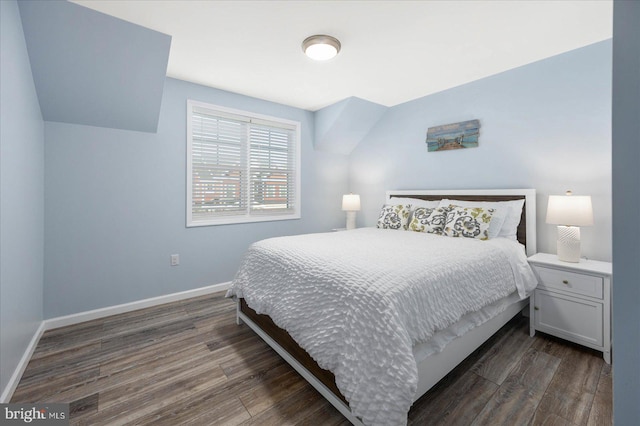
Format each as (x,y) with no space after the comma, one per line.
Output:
(22,365)
(51,323)
(64,321)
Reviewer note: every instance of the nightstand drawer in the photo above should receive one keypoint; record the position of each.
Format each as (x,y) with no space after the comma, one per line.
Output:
(555,279)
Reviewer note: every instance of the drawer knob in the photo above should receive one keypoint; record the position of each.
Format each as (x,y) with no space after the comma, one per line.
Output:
(535,308)
(565,281)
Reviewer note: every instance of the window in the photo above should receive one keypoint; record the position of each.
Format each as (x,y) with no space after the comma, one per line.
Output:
(241,167)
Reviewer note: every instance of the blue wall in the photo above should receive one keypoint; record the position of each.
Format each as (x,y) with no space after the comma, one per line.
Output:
(92,68)
(21,196)
(115,207)
(626,205)
(546,126)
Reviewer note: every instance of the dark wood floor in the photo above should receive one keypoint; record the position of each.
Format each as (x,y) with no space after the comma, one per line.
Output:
(189,363)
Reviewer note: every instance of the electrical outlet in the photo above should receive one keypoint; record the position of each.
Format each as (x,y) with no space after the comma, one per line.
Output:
(175,259)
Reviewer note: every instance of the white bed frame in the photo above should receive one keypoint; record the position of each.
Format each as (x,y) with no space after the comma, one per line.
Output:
(432,369)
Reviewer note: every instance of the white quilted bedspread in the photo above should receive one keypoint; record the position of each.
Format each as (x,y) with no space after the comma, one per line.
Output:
(357,301)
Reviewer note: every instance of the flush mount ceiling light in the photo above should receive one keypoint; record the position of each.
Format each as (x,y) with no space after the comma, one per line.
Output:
(321,47)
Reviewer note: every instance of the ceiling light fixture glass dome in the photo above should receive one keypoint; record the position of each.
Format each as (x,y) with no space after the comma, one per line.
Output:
(321,47)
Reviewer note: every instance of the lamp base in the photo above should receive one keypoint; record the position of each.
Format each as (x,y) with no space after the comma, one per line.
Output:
(569,243)
(351,220)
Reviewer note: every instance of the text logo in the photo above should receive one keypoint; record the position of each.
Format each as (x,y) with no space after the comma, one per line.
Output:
(53,414)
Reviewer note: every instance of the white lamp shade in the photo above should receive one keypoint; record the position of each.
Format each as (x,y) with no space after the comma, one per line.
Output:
(351,202)
(570,210)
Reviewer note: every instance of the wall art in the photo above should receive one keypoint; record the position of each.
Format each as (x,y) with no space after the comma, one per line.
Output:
(453,136)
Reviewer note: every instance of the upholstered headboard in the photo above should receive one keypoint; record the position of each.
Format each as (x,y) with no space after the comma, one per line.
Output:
(527,227)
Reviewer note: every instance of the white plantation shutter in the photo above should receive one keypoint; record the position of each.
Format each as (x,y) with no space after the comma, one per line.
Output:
(241,168)
(271,170)
(218,165)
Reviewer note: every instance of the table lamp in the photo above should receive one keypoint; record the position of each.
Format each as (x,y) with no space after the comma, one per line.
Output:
(351,204)
(569,212)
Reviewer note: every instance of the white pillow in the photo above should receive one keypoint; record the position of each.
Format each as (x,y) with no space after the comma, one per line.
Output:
(415,202)
(506,217)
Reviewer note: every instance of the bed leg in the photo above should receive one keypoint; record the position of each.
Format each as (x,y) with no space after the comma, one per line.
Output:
(238,319)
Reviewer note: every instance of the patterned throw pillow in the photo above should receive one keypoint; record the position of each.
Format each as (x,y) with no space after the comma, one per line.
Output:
(429,220)
(394,216)
(469,222)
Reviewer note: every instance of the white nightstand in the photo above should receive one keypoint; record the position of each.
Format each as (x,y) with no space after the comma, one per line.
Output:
(573,301)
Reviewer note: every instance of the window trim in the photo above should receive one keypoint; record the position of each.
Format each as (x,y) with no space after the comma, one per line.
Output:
(247,217)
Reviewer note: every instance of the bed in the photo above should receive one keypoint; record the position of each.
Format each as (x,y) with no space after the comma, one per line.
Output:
(371,384)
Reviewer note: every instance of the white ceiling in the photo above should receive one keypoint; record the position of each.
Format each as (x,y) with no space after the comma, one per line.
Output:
(392,51)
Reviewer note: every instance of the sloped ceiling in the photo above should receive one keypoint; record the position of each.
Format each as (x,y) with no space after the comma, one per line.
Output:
(393,51)
(341,126)
(93,69)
